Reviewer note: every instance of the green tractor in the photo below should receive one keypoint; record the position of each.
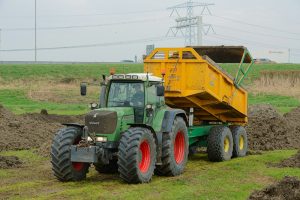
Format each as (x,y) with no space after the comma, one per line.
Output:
(131,131)
(135,132)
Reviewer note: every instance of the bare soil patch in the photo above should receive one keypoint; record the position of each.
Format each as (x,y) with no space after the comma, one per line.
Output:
(269,130)
(286,189)
(293,161)
(294,119)
(7,162)
(28,131)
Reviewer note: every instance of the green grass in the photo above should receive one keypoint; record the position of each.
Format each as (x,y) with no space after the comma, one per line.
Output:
(18,102)
(26,155)
(234,179)
(59,71)
(283,103)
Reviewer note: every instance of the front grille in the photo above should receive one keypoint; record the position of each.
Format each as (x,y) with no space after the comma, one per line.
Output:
(101,122)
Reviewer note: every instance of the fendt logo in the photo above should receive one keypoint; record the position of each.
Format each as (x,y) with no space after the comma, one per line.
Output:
(94,123)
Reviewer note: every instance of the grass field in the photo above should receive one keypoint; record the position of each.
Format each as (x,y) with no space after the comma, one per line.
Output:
(234,179)
(30,88)
(59,71)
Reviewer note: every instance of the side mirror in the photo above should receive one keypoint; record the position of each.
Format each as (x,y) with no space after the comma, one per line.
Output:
(83,88)
(160,90)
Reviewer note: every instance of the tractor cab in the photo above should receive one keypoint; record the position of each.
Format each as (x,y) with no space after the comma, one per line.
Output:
(143,92)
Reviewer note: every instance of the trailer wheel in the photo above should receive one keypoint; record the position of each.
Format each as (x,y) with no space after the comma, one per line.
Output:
(240,141)
(62,167)
(219,144)
(175,150)
(137,155)
(110,168)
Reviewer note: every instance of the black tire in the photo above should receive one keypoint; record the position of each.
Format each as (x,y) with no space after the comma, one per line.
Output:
(137,155)
(62,167)
(110,168)
(170,165)
(219,144)
(240,141)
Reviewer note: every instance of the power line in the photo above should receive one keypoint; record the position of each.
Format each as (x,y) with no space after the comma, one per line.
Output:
(224,37)
(256,33)
(255,25)
(236,39)
(92,45)
(95,14)
(84,26)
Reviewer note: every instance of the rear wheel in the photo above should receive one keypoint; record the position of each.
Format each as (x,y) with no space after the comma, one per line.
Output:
(62,167)
(240,141)
(219,144)
(175,150)
(137,155)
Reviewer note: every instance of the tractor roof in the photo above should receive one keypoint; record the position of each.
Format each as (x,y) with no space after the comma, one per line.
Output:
(136,76)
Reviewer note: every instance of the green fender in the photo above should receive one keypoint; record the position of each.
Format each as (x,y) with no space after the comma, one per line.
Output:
(164,119)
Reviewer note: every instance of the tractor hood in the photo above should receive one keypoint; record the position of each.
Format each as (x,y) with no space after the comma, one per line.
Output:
(108,120)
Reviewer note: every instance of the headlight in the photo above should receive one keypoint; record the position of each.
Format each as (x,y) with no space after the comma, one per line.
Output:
(93,106)
(148,106)
(101,139)
(89,139)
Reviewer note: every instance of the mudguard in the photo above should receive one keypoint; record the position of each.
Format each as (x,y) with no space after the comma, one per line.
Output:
(169,118)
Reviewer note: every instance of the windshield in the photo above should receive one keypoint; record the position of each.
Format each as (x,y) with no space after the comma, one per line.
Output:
(124,94)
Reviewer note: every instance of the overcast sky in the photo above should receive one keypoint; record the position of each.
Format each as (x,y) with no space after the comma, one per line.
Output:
(267,27)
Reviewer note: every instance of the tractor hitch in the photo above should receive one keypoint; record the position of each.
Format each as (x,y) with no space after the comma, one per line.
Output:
(85,154)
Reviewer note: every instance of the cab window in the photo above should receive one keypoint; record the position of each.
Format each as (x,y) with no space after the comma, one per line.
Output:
(124,94)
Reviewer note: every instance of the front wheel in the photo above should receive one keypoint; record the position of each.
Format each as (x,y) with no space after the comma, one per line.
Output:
(137,155)
(62,167)
(175,149)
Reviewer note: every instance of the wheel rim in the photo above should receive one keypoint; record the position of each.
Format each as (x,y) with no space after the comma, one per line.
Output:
(145,157)
(77,166)
(241,142)
(179,147)
(226,144)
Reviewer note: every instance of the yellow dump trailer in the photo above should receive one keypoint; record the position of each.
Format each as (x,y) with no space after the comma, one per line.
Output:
(195,83)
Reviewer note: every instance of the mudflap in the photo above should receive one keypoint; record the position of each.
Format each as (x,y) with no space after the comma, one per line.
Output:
(85,154)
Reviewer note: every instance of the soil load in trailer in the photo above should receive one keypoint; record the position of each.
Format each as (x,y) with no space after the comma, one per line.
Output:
(195,83)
